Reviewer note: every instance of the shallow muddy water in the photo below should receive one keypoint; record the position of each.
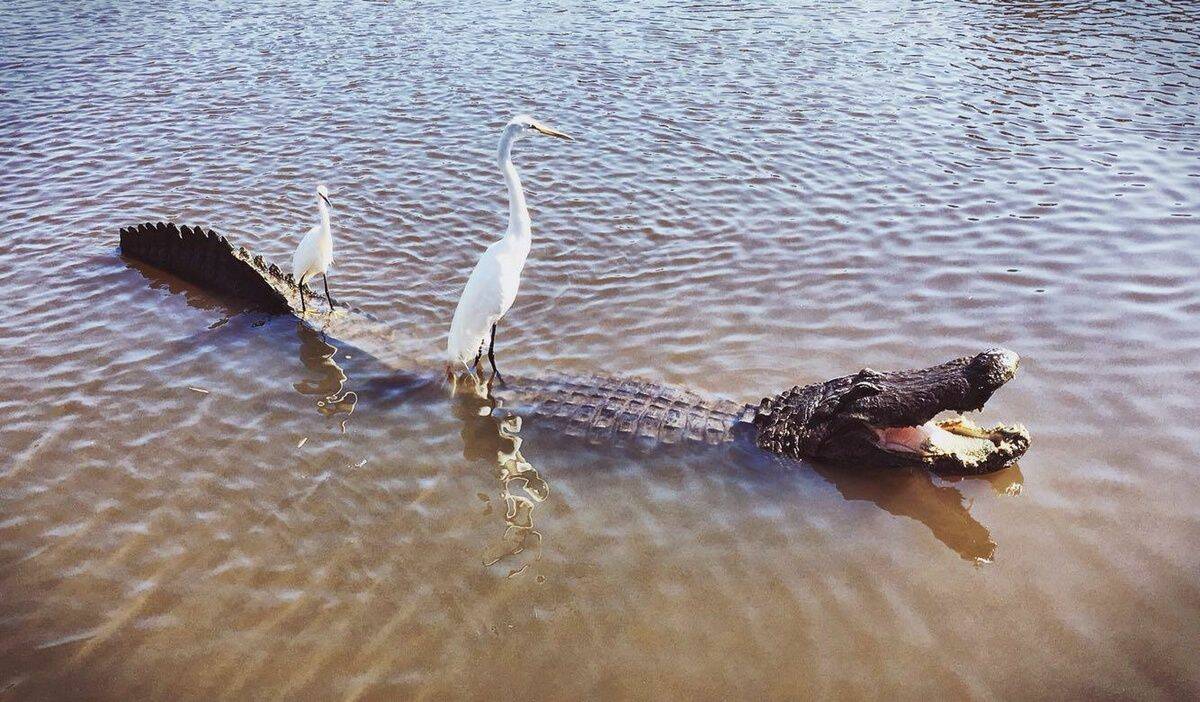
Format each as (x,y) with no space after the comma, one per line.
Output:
(200,502)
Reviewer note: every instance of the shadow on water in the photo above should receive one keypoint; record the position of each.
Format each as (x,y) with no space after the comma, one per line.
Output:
(493,434)
(195,296)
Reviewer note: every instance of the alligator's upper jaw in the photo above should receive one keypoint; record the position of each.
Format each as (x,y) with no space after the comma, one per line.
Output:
(956,445)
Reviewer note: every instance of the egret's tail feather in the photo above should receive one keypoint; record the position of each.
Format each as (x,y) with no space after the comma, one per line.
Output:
(209,260)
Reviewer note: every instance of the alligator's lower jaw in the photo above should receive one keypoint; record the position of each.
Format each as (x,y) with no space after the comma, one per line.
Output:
(956,446)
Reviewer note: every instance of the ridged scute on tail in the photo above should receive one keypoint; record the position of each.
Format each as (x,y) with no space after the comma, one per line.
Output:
(203,257)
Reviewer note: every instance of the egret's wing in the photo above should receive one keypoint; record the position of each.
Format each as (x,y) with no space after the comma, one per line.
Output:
(481,304)
(310,238)
(307,253)
(485,285)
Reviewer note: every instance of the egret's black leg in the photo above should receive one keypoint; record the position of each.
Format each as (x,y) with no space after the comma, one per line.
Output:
(325,278)
(492,355)
(478,356)
(303,307)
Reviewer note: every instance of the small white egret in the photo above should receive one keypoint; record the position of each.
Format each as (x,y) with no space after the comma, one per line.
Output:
(315,253)
(492,286)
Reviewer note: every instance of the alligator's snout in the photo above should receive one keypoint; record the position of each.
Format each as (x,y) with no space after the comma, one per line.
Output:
(998,366)
(875,418)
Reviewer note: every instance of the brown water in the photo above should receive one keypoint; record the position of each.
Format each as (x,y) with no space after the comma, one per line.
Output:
(758,196)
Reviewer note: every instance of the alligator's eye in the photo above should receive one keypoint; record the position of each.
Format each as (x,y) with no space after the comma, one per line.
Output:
(862,388)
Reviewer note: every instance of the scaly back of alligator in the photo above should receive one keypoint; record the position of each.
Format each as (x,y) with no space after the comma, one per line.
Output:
(604,409)
(596,407)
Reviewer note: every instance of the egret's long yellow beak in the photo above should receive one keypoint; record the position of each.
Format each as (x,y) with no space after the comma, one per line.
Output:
(551,132)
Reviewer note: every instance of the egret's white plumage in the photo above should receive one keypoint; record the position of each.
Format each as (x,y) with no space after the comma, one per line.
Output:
(314,255)
(493,284)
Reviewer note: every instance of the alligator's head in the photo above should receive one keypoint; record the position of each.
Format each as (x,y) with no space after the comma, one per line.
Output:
(876,418)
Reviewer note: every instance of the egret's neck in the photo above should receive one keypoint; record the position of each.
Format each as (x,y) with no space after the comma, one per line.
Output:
(518,214)
(324,210)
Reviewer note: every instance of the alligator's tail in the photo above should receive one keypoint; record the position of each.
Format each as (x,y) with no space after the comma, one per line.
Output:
(207,259)
(204,258)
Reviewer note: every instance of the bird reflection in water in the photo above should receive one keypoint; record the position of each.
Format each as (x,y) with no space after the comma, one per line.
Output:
(493,435)
(324,379)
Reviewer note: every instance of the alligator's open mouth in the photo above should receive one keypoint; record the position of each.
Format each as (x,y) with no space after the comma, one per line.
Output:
(873,418)
(956,445)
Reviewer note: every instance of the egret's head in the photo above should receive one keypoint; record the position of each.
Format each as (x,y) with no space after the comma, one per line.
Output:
(524,124)
(323,196)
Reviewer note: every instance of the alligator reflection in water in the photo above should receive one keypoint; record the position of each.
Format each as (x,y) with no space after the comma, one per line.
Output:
(488,437)
(927,498)
(325,379)
(914,494)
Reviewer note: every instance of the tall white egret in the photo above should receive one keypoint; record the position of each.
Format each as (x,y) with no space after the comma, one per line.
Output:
(493,283)
(315,253)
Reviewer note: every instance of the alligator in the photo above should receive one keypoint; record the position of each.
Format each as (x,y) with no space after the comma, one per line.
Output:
(869,419)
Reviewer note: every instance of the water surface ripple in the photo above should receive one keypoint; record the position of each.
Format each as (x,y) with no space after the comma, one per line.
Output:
(202,503)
